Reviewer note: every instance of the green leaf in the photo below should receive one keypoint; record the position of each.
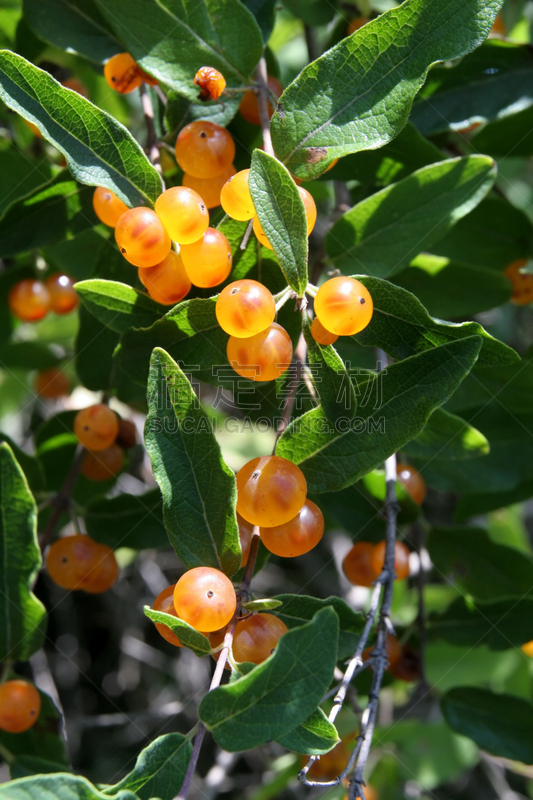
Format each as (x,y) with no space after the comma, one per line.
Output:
(181,110)
(313,12)
(475,503)
(517,128)
(188,636)
(330,377)
(297,609)
(479,566)
(22,614)
(493,82)
(198,487)
(159,770)
(264,604)
(401,326)
(316,735)
(81,29)
(95,344)
(58,786)
(20,175)
(44,740)
(128,520)
(502,724)
(27,355)
(281,212)
(263,11)
(117,305)
(58,210)
(383,233)
(99,150)
(279,694)
(500,624)
(451,290)
(367,82)
(332,456)
(221,35)
(448,437)
(29,465)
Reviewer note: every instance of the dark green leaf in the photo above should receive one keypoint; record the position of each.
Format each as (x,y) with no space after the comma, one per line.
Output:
(99,150)
(22,615)
(316,735)
(471,505)
(95,344)
(279,694)
(117,305)
(383,233)
(81,28)
(27,355)
(188,636)
(159,770)
(263,11)
(499,723)
(127,520)
(330,377)
(181,110)
(198,488)
(333,456)
(367,82)
(500,624)
(313,12)
(20,176)
(58,786)
(281,212)
(44,740)
(447,437)
(517,129)
(29,465)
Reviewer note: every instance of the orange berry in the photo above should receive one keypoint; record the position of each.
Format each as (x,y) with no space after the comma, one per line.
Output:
(211,82)
(522,283)
(235,197)
(256,637)
(205,598)
(344,306)
(51,383)
(146,78)
(298,536)
(127,433)
(357,564)
(262,357)
(96,427)
(320,334)
(208,261)
(310,212)
(167,282)
(245,308)
(401,560)
(107,206)
(29,300)
(527,648)
(76,86)
(413,482)
(499,26)
(407,667)
(249,107)
(142,238)
(63,296)
(209,189)
(78,562)
(122,73)
(103,464)
(246,530)
(333,164)
(204,149)
(183,213)
(20,706)
(393,650)
(165,602)
(356,24)
(270,491)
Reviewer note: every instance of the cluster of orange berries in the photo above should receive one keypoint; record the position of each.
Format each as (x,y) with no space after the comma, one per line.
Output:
(20,706)
(30,300)
(123,74)
(79,563)
(104,435)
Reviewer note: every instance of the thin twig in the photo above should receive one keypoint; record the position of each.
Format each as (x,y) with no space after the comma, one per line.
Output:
(310,39)
(152,149)
(61,502)
(300,355)
(247,234)
(262,102)
(419,535)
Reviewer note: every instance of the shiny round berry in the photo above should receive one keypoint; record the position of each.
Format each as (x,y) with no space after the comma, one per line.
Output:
(63,296)
(401,560)
(211,82)
(20,706)
(310,212)
(357,564)
(78,562)
(76,86)
(249,107)
(413,482)
(142,238)
(298,536)
(522,283)
(167,283)
(356,24)
(209,189)
(262,357)
(122,73)
(127,433)
(270,491)
(235,197)
(165,602)
(393,650)
(344,306)
(245,308)
(205,598)
(103,464)
(320,334)
(527,648)
(207,261)
(204,149)
(183,213)
(407,668)
(29,300)
(107,206)
(52,383)
(256,637)
(246,530)
(96,427)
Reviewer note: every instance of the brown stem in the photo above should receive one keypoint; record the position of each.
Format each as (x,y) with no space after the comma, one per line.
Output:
(310,39)
(300,357)
(247,234)
(262,102)
(419,535)
(152,150)
(61,501)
